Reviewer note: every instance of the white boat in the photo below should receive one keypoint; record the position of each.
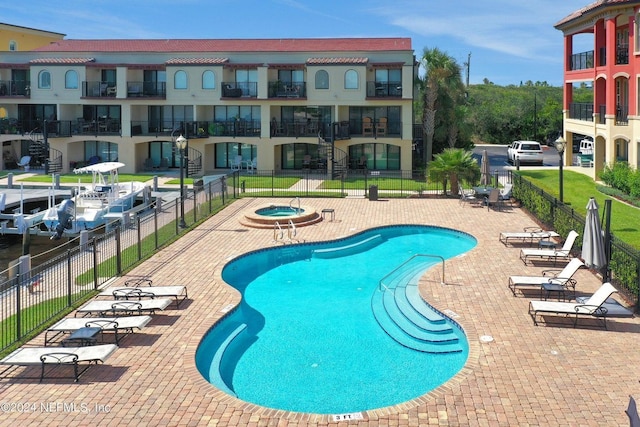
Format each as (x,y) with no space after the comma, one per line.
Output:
(94,204)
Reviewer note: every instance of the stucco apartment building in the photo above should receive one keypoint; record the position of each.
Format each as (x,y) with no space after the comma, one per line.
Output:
(611,71)
(326,104)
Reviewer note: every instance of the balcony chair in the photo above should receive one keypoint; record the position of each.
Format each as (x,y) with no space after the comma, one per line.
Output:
(367,126)
(381,127)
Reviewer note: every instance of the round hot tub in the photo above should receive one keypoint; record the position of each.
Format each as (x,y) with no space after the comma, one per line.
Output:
(267,216)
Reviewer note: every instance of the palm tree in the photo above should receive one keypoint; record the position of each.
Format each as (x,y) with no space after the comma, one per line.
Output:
(442,72)
(452,165)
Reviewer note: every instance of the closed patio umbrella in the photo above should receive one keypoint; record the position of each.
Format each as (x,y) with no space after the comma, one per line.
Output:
(485,172)
(593,253)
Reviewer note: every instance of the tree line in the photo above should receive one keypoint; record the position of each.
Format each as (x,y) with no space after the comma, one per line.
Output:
(454,115)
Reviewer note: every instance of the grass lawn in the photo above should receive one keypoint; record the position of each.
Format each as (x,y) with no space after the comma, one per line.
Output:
(578,188)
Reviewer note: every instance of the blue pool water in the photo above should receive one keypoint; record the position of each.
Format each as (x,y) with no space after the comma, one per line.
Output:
(308,335)
(278,211)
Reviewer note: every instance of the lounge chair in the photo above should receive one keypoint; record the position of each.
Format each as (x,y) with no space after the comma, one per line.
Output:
(592,307)
(236,164)
(529,235)
(123,307)
(561,280)
(120,326)
(551,254)
(74,356)
(138,289)
(24,163)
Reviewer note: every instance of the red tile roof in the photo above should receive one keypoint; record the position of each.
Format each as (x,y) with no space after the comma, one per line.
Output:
(53,61)
(229,45)
(197,61)
(591,8)
(337,61)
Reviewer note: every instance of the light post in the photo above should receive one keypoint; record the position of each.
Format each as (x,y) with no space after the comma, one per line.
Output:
(181,144)
(561,144)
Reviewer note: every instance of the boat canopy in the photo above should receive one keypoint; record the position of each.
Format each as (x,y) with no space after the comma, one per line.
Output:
(104,167)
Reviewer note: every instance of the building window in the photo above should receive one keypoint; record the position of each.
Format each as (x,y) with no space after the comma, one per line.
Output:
(180,80)
(247,80)
(13,46)
(351,79)
(208,80)
(71,80)
(44,80)
(322,79)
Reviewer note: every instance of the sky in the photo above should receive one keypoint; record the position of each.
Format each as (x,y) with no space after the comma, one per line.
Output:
(504,41)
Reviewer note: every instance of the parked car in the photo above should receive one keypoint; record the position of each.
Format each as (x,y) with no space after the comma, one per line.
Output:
(527,152)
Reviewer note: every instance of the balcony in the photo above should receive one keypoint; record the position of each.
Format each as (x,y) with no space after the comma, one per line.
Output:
(378,128)
(279,89)
(622,54)
(581,111)
(98,89)
(581,61)
(196,129)
(622,115)
(15,88)
(146,89)
(384,89)
(239,89)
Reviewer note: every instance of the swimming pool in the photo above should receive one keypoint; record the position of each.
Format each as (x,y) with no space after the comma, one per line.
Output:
(309,337)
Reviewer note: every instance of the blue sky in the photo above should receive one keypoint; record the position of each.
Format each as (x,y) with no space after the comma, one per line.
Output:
(509,40)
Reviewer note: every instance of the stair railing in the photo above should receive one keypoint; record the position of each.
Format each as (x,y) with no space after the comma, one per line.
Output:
(383,287)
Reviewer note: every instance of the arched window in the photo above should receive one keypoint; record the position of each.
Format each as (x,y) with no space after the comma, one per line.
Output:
(71,80)
(351,79)
(13,46)
(208,80)
(180,80)
(322,79)
(44,80)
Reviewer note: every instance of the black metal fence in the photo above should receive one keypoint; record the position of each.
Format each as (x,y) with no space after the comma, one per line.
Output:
(31,298)
(624,265)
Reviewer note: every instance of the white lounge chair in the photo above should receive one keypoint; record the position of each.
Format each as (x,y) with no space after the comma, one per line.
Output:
(120,326)
(529,235)
(178,292)
(236,164)
(126,308)
(563,279)
(593,307)
(551,254)
(56,356)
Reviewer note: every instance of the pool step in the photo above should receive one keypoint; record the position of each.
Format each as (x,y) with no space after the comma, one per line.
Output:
(215,373)
(409,320)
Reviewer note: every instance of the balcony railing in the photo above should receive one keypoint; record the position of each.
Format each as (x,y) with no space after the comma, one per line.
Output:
(15,88)
(622,54)
(239,89)
(602,110)
(581,111)
(377,128)
(196,129)
(622,113)
(279,89)
(582,61)
(98,89)
(146,89)
(384,89)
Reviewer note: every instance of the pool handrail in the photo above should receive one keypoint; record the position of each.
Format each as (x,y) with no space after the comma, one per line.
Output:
(383,287)
(299,206)
(278,233)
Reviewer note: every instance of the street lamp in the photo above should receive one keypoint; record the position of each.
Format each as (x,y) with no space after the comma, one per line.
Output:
(561,144)
(181,144)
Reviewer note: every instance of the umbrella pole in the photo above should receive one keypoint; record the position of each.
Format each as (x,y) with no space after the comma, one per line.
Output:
(607,240)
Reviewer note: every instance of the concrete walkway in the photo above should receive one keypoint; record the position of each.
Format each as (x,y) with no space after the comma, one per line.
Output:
(528,375)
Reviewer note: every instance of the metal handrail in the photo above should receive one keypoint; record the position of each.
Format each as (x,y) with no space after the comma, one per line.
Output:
(382,286)
(299,206)
(278,233)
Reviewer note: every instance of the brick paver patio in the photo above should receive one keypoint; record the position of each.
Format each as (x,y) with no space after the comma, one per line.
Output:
(528,375)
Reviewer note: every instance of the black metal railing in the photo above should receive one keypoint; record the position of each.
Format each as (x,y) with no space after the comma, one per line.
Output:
(280,89)
(581,111)
(384,89)
(99,89)
(624,265)
(146,89)
(581,61)
(239,89)
(602,114)
(15,88)
(622,115)
(376,128)
(622,54)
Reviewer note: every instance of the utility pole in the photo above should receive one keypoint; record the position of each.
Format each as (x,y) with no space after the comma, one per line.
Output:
(468,64)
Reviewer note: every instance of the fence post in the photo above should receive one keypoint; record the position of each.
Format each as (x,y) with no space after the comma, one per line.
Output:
(195,205)
(177,216)
(118,251)
(95,265)
(155,224)
(139,238)
(69,278)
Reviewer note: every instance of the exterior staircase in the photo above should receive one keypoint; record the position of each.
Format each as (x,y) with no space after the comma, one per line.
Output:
(38,152)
